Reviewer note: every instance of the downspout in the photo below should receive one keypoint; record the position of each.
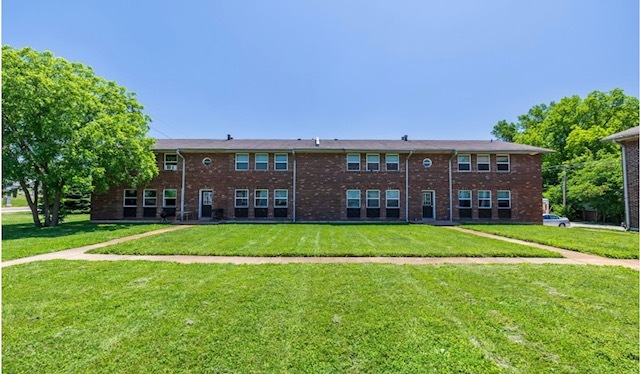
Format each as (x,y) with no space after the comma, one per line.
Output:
(406,189)
(455,153)
(293,202)
(626,188)
(182,187)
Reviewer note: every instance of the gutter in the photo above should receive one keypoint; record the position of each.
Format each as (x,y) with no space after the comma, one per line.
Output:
(455,153)
(626,188)
(293,202)
(406,188)
(182,187)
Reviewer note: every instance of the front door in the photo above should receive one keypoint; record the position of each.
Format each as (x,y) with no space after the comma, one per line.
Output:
(206,204)
(428,204)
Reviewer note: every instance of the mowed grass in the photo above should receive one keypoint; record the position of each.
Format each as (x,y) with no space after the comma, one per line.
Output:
(323,240)
(20,238)
(135,316)
(18,201)
(607,243)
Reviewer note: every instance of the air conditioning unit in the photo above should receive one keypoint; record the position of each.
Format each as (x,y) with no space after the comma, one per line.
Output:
(171,167)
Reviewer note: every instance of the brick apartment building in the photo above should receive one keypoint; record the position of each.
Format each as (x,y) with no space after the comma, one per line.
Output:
(334,180)
(628,140)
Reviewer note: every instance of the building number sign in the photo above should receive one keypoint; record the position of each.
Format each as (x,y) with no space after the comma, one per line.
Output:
(426,162)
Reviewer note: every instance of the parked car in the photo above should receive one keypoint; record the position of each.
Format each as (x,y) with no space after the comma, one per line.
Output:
(553,220)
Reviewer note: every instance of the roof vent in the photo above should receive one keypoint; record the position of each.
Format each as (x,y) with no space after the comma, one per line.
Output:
(405,137)
(229,137)
(317,141)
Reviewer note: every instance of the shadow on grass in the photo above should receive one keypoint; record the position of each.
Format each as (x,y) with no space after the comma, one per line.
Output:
(28,230)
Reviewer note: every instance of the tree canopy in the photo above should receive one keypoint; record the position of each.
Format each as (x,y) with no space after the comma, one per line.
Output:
(63,126)
(574,127)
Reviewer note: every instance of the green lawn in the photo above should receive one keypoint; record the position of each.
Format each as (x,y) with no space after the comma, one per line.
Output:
(608,243)
(76,316)
(323,240)
(19,201)
(20,238)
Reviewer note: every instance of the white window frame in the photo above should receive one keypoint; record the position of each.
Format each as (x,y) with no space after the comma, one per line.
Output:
(508,199)
(256,198)
(256,162)
(469,199)
(235,198)
(164,198)
(124,198)
(285,162)
(480,198)
(353,198)
(377,199)
(376,155)
(387,199)
(464,163)
(285,198)
(508,163)
(397,163)
(144,198)
(488,163)
(170,165)
(359,161)
(237,162)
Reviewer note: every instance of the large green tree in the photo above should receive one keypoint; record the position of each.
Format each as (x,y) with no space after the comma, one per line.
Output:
(574,127)
(63,127)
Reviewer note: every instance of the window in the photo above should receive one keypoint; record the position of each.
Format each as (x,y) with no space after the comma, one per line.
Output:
(281,161)
(464,162)
(242,199)
(353,198)
(261,198)
(373,162)
(393,199)
(262,161)
(353,162)
(464,199)
(484,199)
(169,198)
(504,199)
(393,162)
(502,162)
(130,198)
(242,161)
(484,163)
(149,198)
(373,199)
(280,198)
(170,161)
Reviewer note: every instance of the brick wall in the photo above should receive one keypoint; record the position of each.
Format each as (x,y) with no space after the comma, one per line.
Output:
(632,158)
(322,181)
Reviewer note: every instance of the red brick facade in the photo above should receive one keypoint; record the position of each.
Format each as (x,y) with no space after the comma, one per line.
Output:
(632,160)
(322,180)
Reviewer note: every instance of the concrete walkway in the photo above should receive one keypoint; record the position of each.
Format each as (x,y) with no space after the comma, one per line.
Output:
(571,257)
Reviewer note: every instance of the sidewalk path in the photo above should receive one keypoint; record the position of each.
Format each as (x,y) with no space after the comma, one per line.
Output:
(15,209)
(571,257)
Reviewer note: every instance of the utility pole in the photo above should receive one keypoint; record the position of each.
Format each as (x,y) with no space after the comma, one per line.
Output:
(564,186)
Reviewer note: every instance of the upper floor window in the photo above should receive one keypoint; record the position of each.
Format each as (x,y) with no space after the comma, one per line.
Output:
(281,161)
(280,198)
(261,198)
(242,161)
(353,198)
(130,198)
(169,198)
(353,161)
(373,199)
(393,162)
(373,162)
(464,199)
(150,198)
(170,161)
(484,163)
(393,198)
(464,162)
(504,199)
(262,161)
(241,199)
(484,199)
(502,162)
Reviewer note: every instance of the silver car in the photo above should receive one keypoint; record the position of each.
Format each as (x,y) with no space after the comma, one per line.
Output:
(553,220)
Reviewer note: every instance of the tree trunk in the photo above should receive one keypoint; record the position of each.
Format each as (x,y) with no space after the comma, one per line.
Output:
(45,206)
(33,203)
(55,215)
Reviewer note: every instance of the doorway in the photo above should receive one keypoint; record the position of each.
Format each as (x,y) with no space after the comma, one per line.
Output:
(206,203)
(428,204)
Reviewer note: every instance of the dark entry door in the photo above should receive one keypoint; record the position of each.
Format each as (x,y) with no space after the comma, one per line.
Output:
(206,204)
(427,204)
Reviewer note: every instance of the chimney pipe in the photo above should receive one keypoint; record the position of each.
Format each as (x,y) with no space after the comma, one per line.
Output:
(317,141)
(229,137)
(405,138)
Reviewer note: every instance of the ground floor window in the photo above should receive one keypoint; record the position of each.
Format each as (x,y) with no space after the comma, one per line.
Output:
(130,203)
(261,198)
(373,203)
(280,198)
(169,198)
(149,203)
(392,198)
(464,204)
(484,204)
(242,199)
(353,203)
(504,204)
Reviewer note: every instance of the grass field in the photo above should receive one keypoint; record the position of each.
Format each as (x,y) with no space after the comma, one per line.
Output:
(607,243)
(323,240)
(19,201)
(20,238)
(75,316)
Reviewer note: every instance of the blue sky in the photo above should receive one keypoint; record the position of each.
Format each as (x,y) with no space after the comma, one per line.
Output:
(339,69)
